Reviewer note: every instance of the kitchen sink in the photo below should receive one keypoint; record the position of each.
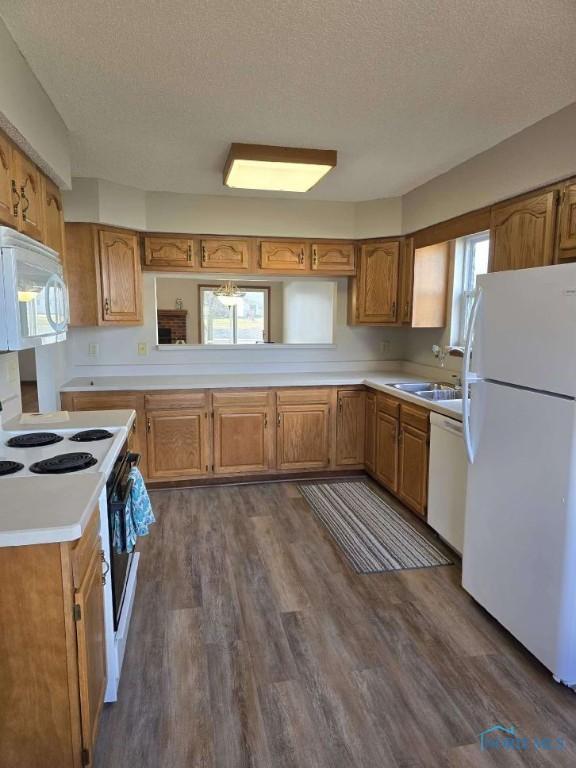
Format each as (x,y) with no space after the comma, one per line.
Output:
(416,387)
(451,393)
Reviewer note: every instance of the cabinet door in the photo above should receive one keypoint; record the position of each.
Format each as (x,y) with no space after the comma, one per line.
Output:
(350,427)
(333,258)
(378,283)
(53,216)
(120,277)
(387,450)
(413,480)
(370,432)
(243,439)
(568,221)
(177,443)
(29,184)
(8,196)
(89,615)
(522,233)
(407,282)
(168,252)
(283,256)
(303,436)
(223,255)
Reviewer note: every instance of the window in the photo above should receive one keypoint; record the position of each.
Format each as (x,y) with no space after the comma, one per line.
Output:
(243,323)
(474,250)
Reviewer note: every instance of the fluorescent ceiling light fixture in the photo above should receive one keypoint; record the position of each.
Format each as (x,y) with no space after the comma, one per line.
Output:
(280,169)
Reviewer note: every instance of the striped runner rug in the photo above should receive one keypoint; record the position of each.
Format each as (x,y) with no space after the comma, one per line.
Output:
(370,533)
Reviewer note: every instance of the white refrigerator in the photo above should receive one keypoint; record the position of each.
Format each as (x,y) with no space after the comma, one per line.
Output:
(519,559)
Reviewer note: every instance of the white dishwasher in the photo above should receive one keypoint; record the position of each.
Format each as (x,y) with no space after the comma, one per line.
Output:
(447,480)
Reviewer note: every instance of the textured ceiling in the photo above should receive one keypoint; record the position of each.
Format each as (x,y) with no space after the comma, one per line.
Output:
(154,91)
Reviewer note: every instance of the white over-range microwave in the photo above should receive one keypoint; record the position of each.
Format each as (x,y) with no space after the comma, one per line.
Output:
(33,294)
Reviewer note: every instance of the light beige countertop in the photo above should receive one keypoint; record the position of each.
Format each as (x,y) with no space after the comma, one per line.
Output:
(47,509)
(376,380)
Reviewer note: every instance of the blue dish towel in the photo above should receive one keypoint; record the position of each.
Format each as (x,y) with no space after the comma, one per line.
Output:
(136,518)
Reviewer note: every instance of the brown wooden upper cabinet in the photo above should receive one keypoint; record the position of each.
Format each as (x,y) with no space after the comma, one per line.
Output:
(567,238)
(168,251)
(406,281)
(522,232)
(120,276)
(334,258)
(53,216)
(350,427)
(29,190)
(284,256)
(221,255)
(374,290)
(104,275)
(8,195)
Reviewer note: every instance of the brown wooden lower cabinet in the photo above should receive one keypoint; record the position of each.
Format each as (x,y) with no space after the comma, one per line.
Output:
(350,410)
(195,434)
(52,652)
(387,450)
(177,442)
(303,436)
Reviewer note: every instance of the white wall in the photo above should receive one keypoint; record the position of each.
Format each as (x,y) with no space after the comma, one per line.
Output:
(309,311)
(354,348)
(10,395)
(542,153)
(28,115)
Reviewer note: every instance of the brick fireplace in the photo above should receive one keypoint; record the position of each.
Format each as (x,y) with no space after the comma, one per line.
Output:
(172,326)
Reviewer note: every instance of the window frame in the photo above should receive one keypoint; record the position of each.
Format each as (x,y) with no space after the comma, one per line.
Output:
(468,287)
(265,289)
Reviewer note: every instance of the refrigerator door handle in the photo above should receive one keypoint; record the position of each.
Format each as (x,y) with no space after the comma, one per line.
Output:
(468,377)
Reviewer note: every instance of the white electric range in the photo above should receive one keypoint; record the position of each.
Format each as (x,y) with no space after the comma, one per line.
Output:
(39,453)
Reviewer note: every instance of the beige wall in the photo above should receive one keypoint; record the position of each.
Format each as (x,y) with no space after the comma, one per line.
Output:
(542,153)
(28,115)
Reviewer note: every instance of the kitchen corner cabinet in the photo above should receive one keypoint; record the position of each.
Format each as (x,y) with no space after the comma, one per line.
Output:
(522,232)
(174,252)
(350,422)
(104,276)
(303,435)
(373,297)
(52,652)
(567,234)
(334,258)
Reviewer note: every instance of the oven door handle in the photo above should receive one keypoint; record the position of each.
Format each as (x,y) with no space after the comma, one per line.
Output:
(118,506)
(133,459)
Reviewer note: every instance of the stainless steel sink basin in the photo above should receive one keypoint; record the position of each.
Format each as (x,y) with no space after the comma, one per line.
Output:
(416,387)
(451,393)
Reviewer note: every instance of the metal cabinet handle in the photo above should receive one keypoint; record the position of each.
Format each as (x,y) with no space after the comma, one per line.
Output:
(15,198)
(314,256)
(278,420)
(107,564)
(266,421)
(106,306)
(189,252)
(301,259)
(394,308)
(148,425)
(203,254)
(340,404)
(24,199)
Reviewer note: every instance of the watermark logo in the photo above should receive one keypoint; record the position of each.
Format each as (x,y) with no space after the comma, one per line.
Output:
(505,738)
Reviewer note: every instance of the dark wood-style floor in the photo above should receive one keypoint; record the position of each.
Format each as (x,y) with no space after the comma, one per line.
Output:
(253,644)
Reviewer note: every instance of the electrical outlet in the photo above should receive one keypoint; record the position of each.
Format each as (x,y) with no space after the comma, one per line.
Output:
(93,349)
(385,347)
(142,348)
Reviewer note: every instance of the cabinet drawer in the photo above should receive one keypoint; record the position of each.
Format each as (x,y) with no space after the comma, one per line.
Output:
(241,397)
(83,549)
(284,256)
(389,405)
(302,396)
(414,416)
(165,401)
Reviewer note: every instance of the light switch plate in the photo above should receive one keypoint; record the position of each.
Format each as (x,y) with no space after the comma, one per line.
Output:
(93,349)
(142,348)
